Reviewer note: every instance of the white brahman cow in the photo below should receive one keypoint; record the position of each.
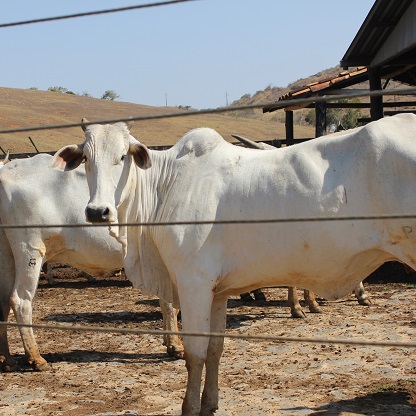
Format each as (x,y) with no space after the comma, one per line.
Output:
(369,171)
(292,296)
(32,193)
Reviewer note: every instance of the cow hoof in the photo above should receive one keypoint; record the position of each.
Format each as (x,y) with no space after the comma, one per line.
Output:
(41,365)
(175,352)
(246,297)
(315,309)
(259,295)
(365,302)
(298,314)
(9,366)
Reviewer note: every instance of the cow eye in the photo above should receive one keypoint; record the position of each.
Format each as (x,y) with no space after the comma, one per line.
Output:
(84,159)
(123,157)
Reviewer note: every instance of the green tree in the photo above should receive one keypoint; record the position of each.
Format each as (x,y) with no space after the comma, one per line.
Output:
(345,117)
(110,95)
(62,90)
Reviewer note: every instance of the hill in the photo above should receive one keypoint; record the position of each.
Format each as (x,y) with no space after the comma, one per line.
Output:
(271,94)
(26,108)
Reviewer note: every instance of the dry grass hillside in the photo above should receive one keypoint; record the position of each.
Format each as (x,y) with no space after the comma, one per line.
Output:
(271,94)
(26,108)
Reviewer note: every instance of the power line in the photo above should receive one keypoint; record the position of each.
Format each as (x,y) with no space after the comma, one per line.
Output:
(97,12)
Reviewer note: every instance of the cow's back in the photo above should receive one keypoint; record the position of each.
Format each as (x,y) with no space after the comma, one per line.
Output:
(364,172)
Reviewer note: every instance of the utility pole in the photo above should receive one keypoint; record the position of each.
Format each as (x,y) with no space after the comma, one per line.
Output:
(166,99)
(226,98)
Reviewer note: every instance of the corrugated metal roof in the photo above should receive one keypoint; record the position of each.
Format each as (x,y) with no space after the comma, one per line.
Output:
(384,18)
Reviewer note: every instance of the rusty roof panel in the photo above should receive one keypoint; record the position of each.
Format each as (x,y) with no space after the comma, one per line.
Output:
(342,80)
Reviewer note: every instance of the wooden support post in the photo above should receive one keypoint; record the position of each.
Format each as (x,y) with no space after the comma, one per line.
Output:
(320,119)
(376,103)
(290,137)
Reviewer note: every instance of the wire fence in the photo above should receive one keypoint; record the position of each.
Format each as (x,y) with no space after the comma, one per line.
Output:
(276,105)
(273,338)
(216,222)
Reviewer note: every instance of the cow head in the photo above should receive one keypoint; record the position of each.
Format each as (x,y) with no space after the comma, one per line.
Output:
(108,151)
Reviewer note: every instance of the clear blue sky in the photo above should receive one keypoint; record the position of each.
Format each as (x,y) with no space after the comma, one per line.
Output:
(190,54)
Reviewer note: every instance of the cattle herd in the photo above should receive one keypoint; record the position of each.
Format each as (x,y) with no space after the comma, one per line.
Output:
(212,220)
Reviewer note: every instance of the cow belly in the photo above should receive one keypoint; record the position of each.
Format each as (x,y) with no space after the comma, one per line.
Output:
(332,282)
(308,257)
(90,263)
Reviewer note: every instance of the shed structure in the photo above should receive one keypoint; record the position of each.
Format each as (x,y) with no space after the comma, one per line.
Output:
(383,49)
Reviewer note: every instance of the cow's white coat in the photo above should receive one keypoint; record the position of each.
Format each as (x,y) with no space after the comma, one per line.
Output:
(363,172)
(31,193)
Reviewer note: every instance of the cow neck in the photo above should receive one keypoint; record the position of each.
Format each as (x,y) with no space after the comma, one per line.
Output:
(147,188)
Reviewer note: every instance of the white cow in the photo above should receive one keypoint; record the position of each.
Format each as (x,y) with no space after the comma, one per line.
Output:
(368,171)
(32,193)
(292,297)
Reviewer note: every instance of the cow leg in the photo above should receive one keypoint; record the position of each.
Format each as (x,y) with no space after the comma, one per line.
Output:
(362,296)
(246,297)
(7,274)
(209,403)
(195,347)
(26,281)
(311,302)
(7,363)
(173,343)
(259,295)
(47,270)
(90,279)
(293,299)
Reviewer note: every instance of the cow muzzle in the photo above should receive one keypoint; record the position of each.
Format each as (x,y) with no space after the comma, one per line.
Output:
(98,214)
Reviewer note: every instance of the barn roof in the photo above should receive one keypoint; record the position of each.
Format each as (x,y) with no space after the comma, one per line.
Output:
(387,39)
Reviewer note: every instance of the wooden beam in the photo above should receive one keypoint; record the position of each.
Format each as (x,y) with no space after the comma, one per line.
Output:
(289,128)
(376,103)
(320,119)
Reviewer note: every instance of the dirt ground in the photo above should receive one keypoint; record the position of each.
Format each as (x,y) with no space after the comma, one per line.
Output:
(116,374)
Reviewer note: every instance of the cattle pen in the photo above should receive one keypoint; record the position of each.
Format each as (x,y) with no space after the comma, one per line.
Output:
(338,374)
(104,340)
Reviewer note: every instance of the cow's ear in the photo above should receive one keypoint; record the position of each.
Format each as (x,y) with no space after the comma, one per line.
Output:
(68,158)
(129,124)
(84,120)
(141,154)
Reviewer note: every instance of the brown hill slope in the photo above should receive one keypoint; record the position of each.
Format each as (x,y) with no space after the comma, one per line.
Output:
(271,94)
(26,108)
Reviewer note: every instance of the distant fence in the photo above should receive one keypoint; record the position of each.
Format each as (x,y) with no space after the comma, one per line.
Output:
(275,142)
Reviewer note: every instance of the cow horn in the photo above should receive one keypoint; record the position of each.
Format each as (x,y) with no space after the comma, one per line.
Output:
(253,145)
(246,142)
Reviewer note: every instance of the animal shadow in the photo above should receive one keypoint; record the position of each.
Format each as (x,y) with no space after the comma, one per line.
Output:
(106,317)
(394,400)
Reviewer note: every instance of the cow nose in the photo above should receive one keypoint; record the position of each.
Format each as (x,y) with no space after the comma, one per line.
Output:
(97,214)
